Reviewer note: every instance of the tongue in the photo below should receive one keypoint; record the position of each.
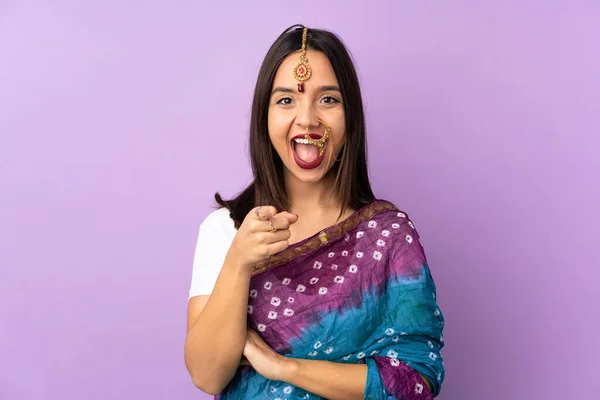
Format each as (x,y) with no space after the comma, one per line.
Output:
(307,152)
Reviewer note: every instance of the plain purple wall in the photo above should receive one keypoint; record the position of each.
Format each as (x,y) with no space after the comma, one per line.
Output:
(118,123)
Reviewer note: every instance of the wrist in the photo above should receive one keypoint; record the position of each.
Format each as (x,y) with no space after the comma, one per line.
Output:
(234,261)
(234,268)
(289,369)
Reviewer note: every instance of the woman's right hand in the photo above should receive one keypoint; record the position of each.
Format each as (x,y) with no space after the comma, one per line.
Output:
(256,241)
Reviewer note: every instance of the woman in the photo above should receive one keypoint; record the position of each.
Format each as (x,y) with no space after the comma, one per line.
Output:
(306,286)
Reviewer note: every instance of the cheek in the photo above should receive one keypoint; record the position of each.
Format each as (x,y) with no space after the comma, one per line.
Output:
(339,129)
(277,126)
(339,135)
(274,130)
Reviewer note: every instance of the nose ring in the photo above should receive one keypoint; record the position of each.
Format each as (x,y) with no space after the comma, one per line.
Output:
(320,143)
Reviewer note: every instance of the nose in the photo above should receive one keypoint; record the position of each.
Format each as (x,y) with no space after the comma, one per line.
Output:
(307,116)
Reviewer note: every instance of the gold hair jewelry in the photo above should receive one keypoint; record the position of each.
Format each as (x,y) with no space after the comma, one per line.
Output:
(302,70)
(320,143)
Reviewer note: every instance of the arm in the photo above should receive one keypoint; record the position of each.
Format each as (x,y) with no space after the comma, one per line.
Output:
(333,380)
(217,324)
(327,379)
(212,359)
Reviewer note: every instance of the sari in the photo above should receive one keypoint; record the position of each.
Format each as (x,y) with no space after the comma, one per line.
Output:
(359,291)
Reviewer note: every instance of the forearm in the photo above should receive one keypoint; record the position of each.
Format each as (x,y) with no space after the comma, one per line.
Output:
(331,380)
(327,379)
(215,342)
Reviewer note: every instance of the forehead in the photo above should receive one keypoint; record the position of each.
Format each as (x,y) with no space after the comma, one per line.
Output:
(322,71)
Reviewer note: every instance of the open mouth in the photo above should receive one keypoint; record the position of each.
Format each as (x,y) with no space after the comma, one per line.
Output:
(307,154)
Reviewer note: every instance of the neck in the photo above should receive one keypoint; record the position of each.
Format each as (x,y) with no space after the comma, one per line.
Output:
(314,196)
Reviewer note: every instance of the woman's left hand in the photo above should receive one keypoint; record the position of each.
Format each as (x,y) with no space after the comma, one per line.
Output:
(264,359)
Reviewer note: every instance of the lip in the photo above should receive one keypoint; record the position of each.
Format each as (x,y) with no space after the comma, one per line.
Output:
(311,164)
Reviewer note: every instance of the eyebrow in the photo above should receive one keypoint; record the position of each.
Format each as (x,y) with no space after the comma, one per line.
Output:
(325,88)
(282,89)
(329,88)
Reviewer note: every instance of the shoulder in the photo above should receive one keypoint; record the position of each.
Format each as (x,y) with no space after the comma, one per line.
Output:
(219,222)
(397,219)
(389,210)
(216,233)
(218,218)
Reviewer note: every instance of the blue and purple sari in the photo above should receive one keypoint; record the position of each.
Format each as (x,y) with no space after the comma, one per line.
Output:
(359,291)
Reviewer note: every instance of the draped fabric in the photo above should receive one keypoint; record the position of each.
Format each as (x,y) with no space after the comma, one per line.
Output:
(359,291)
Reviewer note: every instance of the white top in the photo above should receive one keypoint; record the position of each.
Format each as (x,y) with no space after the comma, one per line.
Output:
(215,236)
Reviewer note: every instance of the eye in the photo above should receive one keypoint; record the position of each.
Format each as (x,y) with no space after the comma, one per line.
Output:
(329,100)
(286,101)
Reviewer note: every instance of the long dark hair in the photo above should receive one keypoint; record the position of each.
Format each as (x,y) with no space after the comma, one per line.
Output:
(352,180)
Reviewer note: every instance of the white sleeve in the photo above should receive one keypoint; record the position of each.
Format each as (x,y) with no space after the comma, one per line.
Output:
(215,236)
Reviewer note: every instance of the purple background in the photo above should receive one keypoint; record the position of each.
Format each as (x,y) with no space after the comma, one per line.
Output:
(483,124)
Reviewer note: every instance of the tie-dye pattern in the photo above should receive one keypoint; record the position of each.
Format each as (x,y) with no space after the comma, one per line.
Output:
(360,292)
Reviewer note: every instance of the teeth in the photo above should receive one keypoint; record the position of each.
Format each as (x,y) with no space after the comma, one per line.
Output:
(302,141)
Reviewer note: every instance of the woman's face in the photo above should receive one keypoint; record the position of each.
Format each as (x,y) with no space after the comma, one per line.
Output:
(291,112)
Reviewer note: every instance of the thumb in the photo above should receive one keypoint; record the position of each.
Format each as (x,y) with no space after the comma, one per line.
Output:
(263,213)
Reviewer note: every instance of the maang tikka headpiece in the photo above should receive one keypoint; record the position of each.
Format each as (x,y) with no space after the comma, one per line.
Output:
(302,70)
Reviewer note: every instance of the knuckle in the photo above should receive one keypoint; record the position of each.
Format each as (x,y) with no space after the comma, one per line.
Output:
(265,251)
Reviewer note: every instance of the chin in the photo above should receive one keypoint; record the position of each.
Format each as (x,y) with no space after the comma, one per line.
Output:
(309,178)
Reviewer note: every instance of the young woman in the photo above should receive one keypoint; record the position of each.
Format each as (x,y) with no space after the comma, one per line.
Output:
(306,285)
